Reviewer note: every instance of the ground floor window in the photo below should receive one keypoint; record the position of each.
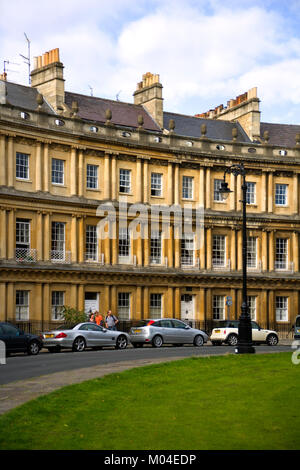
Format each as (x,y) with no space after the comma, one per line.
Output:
(58,300)
(155,305)
(124,305)
(252,306)
(22,305)
(281,308)
(218,307)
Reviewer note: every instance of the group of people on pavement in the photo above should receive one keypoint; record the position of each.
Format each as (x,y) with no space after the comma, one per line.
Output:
(110,321)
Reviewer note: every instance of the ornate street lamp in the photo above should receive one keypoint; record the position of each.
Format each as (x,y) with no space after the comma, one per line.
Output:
(244,344)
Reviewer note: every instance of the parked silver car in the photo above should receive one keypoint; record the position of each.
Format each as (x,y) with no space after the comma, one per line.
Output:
(83,335)
(165,330)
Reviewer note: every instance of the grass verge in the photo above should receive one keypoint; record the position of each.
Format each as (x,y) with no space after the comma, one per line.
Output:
(225,402)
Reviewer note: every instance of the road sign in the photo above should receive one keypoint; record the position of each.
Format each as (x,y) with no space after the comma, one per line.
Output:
(228,300)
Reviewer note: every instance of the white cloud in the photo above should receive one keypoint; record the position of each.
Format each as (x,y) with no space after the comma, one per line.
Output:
(206,52)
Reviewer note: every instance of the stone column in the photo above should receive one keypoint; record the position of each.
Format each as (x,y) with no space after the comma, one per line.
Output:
(106,179)
(3,162)
(296,251)
(208,188)
(38,301)
(176,184)
(47,314)
(170,303)
(208,249)
(74,238)
(11,234)
(239,250)
(170,247)
(47,237)
(202,187)
(38,166)
(232,202)
(81,240)
(114,183)
(139,183)
(264,255)
(10,162)
(177,248)
(73,295)
(80,297)
(3,234)
(270,193)
(39,236)
(264,191)
(10,298)
(80,174)
(146,181)
(138,304)
(295,196)
(46,167)
(170,183)
(73,172)
(177,303)
(271,308)
(271,250)
(239,194)
(146,302)
(202,309)
(3,314)
(233,249)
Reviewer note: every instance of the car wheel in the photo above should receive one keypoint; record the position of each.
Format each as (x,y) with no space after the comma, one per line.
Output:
(54,349)
(232,340)
(198,341)
(157,341)
(121,342)
(33,348)
(272,340)
(79,344)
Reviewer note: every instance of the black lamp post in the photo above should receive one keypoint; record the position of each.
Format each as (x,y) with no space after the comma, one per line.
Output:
(244,344)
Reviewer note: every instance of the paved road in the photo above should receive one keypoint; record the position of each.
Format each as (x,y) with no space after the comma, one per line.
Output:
(22,367)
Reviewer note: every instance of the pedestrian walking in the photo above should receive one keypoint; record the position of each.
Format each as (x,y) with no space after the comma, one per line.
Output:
(99,319)
(111,321)
(92,317)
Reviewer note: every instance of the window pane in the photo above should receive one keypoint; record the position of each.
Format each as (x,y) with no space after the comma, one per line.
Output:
(57,171)
(187,187)
(57,304)
(250,193)
(124,181)
(218,307)
(22,165)
(217,195)
(92,176)
(281,309)
(218,250)
(281,194)
(124,242)
(155,248)
(156,184)
(281,255)
(124,305)
(58,239)
(251,252)
(155,305)
(22,305)
(91,243)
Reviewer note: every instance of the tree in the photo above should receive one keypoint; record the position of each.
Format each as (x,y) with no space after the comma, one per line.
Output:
(72,316)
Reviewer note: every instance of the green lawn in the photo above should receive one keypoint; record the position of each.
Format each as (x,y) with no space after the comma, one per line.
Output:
(228,402)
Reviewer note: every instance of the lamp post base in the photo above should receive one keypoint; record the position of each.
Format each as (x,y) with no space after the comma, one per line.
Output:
(244,349)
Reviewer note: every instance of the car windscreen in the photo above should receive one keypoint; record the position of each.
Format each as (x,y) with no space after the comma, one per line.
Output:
(298,322)
(64,326)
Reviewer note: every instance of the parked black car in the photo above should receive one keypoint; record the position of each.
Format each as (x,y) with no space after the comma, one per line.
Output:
(17,341)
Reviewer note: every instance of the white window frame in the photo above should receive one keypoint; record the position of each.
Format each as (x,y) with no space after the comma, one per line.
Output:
(281,305)
(57,302)
(251,300)
(281,194)
(251,192)
(22,166)
(23,233)
(156,184)
(219,307)
(58,171)
(219,247)
(188,249)
(252,252)
(124,306)
(124,246)
(281,253)
(187,187)
(155,307)
(91,243)
(22,305)
(124,181)
(218,197)
(58,243)
(156,247)
(92,176)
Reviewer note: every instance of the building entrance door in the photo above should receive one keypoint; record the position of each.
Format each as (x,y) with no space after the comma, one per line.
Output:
(91,302)
(187,307)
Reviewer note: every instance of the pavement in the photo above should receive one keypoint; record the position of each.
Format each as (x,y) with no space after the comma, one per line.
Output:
(19,392)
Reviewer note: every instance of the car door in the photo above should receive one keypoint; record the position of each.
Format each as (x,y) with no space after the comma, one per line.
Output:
(14,338)
(93,335)
(167,331)
(182,333)
(258,334)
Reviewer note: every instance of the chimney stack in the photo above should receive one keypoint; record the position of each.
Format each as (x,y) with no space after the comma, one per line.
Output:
(47,77)
(149,94)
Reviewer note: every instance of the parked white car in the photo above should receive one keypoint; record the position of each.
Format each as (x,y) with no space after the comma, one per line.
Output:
(227,332)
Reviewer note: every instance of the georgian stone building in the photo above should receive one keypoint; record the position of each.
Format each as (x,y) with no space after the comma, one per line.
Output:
(65,156)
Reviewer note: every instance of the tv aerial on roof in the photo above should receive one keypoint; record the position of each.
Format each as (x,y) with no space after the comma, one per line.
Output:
(27,59)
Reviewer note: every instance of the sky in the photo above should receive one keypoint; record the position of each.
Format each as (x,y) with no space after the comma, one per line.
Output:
(205,51)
